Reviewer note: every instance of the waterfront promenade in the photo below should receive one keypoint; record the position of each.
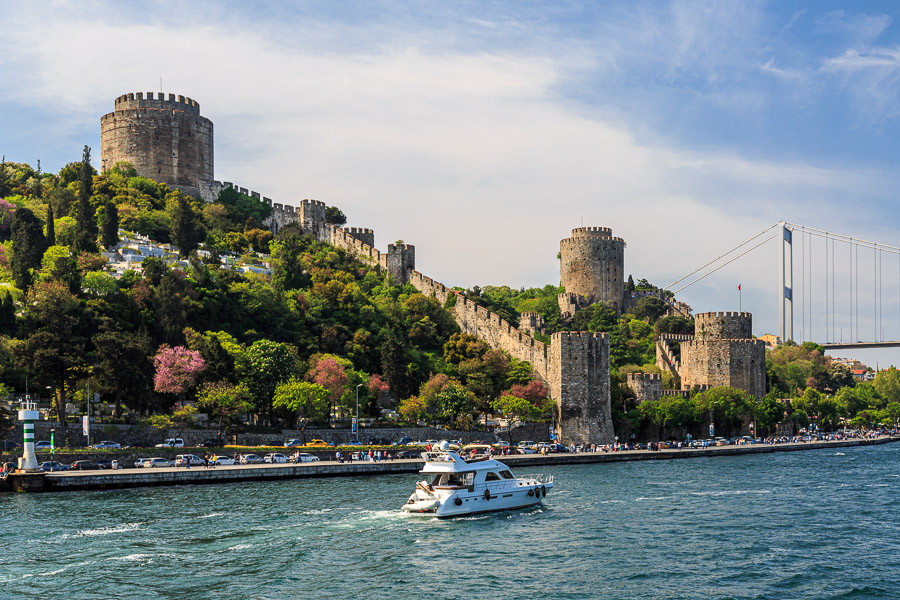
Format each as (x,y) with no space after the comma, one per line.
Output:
(127,478)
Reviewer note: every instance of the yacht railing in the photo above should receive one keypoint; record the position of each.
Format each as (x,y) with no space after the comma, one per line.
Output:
(512,484)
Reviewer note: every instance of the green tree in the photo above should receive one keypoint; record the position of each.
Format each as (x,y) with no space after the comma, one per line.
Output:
(887,384)
(268,364)
(28,246)
(186,229)
(769,413)
(728,407)
(85,222)
(305,400)
(109,233)
(122,367)
(51,231)
(7,314)
(335,216)
(225,402)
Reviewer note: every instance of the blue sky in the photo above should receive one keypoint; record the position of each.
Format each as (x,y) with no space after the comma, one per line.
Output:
(484,132)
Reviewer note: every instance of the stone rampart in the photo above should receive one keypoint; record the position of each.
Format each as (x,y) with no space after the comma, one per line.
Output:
(738,363)
(165,139)
(592,264)
(490,327)
(646,386)
(579,382)
(723,325)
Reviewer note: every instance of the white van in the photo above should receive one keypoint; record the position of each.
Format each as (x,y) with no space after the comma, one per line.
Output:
(171,443)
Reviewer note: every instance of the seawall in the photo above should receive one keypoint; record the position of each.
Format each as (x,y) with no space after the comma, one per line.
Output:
(130,478)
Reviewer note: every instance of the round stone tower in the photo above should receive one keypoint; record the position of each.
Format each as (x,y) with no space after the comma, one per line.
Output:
(165,139)
(592,264)
(723,326)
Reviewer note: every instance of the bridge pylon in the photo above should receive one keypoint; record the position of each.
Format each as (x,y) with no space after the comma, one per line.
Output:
(786,283)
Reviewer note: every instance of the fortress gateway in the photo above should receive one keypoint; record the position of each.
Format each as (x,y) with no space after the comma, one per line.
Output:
(167,140)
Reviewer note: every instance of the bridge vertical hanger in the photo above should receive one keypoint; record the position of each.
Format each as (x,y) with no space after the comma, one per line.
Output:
(786,281)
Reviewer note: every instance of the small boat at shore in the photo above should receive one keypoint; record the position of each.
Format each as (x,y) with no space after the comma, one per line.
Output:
(454,486)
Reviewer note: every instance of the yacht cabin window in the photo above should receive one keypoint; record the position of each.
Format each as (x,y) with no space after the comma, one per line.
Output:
(453,479)
(506,475)
(491,476)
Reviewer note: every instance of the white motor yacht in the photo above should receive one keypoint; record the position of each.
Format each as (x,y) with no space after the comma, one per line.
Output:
(454,486)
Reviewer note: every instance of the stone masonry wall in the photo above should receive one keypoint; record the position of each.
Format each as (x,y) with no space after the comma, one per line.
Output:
(646,386)
(579,382)
(723,326)
(592,264)
(165,139)
(734,363)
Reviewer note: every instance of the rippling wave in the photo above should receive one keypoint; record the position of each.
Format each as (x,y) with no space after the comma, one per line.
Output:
(788,525)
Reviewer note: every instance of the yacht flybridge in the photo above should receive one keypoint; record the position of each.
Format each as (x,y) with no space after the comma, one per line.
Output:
(454,486)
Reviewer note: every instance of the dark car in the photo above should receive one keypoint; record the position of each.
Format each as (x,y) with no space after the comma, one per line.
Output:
(53,465)
(213,443)
(6,446)
(409,454)
(380,442)
(83,465)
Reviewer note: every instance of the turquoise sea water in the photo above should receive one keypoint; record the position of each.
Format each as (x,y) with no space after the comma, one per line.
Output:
(813,524)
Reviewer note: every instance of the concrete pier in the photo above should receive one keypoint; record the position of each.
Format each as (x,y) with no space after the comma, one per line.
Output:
(128,478)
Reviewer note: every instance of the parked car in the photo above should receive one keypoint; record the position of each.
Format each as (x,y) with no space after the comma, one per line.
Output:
(152,463)
(319,443)
(213,443)
(42,445)
(353,443)
(107,445)
(293,443)
(83,465)
(107,463)
(226,461)
(195,461)
(53,465)
(275,458)
(6,446)
(140,462)
(380,442)
(251,459)
(171,443)
(404,441)
(306,457)
(409,454)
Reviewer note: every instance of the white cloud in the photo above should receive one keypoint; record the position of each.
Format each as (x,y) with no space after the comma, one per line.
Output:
(471,156)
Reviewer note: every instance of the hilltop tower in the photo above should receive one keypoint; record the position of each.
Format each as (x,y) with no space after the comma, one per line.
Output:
(723,353)
(592,265)
(165,139)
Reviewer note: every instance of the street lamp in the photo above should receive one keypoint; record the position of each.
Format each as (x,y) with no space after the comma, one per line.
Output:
(356,421)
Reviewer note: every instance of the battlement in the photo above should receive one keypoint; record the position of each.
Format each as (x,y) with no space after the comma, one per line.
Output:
(723,325)
(671,337)
(577,241)
(308,202)
(710,315)
(747,341)
(358,231)
(592,232)
(399,247)
(572,336)
(636,377)
(158,101)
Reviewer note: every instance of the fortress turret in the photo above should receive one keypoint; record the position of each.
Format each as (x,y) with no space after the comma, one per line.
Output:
(592,265)
(164,138)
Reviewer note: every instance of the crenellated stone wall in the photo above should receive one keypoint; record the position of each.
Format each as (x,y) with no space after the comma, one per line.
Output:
(646,386)
(579,382)
(592,264)
(733,363)
(164,138)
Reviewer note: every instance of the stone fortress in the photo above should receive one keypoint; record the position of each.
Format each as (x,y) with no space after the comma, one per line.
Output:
(167,140)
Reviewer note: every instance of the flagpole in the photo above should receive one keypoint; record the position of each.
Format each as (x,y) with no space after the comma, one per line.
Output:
(740,299)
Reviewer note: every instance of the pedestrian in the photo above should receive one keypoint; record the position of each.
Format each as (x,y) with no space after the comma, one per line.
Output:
(206,460)
(337,456)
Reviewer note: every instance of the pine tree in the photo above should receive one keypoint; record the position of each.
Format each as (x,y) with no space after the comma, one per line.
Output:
(109,234)
(186,232)
(28,246)
(51,228)
(85,225)
(7,314)
(4,179)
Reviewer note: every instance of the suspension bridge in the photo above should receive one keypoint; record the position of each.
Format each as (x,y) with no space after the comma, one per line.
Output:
(830,286)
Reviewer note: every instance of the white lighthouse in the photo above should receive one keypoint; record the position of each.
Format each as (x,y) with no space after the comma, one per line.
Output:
(28,414)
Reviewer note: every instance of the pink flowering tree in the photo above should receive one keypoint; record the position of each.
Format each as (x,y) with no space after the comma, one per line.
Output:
(177,370)
(330,372)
